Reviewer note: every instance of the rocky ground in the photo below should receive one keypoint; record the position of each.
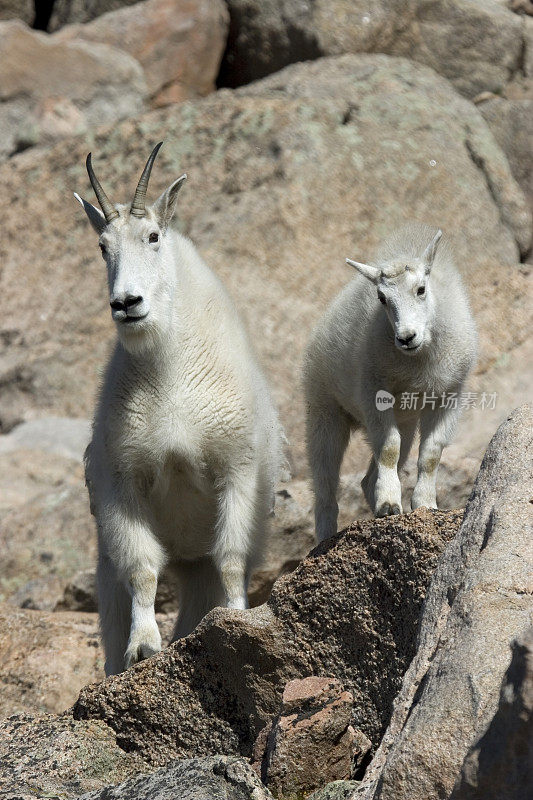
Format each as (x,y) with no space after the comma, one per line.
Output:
(308,130)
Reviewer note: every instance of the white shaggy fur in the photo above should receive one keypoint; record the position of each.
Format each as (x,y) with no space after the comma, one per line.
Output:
(419,338)
(186,443)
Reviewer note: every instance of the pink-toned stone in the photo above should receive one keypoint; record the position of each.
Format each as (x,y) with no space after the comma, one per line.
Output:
(51,88)
(178,43)
(311,742)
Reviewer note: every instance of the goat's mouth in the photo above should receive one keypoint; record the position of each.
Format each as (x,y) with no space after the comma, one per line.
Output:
(131,320)
(409,348)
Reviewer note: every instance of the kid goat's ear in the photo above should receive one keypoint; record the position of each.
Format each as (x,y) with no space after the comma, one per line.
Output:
(165,205)
(429,253)
(96,218)
(372,273)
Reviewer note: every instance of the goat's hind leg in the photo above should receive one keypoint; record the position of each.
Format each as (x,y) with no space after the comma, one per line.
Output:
(200,589)
(114,608)
(437,427)
(328,434)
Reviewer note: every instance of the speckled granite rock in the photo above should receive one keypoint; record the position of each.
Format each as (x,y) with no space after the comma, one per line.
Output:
(212,778)
(479,600)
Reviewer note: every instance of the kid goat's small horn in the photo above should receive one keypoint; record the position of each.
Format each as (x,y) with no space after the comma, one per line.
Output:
(138,205)
(431,249)
(105,204)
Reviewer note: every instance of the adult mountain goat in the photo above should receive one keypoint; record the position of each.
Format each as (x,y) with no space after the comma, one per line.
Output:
(402,330)
(186,443)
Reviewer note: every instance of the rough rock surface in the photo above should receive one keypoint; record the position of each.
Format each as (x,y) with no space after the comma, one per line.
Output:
(480,598)
(350,611)
(57,756)
(46,530)
(214,778)
(263,164)
(311,740)
(337,790)
(500,764)
(178,43)
(477,44)
(511,122)
(45,659)
(51,89)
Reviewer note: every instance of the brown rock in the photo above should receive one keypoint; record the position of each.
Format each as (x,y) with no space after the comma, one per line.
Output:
(253,208)
(349,610)
(72,11)
(480,598)
(46,659)
(51,89)
(311,741)
(499,766)
(178,43)
(79,593)
(46,531)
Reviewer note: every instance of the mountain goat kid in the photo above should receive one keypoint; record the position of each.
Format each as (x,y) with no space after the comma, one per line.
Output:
(186,443)
(403,325)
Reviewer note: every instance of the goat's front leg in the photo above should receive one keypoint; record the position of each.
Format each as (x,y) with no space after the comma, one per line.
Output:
(437,427)
(237,525)
(137,559)
(386,441)
(145,639)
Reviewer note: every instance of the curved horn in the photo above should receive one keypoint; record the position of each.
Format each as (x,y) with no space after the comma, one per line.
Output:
(107,207)
(137,206)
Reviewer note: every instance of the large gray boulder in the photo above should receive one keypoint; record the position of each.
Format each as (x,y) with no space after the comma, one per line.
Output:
(478,45)
(499,766)
(287,177)
(479,600)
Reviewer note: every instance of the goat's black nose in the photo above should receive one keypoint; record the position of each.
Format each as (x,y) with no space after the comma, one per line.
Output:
(407,340)
(130,301)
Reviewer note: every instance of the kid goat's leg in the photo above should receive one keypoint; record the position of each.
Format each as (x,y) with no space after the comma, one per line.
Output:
(436,430)
(328,433)
(137,559)
(386,442)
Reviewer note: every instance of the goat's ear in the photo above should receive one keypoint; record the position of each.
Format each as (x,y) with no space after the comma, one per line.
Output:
(165,205)
(429,253)
(96,218)
(372,273)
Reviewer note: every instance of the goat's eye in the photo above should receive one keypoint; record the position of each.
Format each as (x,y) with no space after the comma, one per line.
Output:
(382,299)
(153,238)
(421,291)
(103,249)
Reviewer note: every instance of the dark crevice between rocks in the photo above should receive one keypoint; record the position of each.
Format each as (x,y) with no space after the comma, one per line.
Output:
(479,162)
(359,773)
(43,13)
(488,530)
(236,67)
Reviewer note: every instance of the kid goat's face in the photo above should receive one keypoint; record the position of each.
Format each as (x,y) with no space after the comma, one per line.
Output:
(133,245)
(403,288)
